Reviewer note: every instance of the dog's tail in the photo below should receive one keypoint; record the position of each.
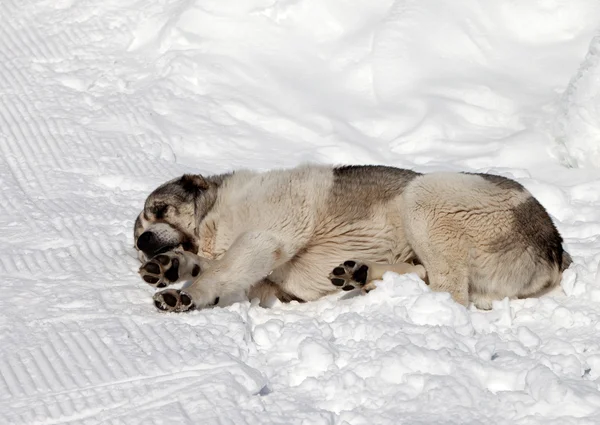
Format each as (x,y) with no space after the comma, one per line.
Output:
(566,261)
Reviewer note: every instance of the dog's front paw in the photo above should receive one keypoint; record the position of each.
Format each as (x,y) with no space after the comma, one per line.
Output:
(161,270)
(173,300)
(349,275)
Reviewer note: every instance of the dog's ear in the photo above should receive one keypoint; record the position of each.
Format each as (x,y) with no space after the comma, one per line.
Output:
(193,183)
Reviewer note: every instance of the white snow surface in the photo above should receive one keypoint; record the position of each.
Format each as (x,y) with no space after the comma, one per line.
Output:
(101,101)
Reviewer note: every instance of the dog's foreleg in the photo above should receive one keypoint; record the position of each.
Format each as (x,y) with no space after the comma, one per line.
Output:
(377,270)
(250,258)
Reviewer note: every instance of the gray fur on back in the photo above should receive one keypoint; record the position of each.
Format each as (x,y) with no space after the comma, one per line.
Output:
(357,188)
(500,181)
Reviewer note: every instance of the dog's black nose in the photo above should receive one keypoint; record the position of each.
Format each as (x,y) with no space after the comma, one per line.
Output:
(148,243)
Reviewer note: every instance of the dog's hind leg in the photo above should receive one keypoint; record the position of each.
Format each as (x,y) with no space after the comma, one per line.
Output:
(444,258)
(250,258)
(266,292)
(172,267)
(360,274)
(456,282)
(435,227)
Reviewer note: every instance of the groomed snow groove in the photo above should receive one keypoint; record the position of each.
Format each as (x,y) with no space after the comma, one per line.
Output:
(101,101)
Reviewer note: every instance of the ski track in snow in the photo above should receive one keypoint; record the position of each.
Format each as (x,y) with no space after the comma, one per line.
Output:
(102,101)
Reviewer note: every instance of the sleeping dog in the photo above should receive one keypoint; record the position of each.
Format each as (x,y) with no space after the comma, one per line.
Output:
(303,233)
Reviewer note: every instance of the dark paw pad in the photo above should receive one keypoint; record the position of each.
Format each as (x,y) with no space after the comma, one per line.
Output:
(337,281)
(170,299)
(360,274)
(161,270)
(185,299)
(349,275)
(152,280)
(173,300)
(339,271)
(152,268)
(172,274)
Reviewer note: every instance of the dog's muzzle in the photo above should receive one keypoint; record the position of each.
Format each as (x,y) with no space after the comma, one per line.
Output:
(150,244)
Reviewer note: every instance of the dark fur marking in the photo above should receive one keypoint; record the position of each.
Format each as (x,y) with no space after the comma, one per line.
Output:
(195,270)
(338,282)
(159,211)
(284,297)
(193,183)
(183,189)
(500,181)
(357,187)
(173,273)
(535,227)
(280,294)
(216,301)
(189,246)
(360,275)
(549,284)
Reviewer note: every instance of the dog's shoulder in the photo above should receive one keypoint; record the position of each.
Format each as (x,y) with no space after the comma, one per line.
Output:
(277,185)
(273,199)
(358,190)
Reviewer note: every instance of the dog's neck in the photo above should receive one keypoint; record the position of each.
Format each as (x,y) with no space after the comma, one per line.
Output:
(204,204)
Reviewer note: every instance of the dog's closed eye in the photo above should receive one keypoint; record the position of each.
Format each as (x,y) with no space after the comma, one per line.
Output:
(159,211)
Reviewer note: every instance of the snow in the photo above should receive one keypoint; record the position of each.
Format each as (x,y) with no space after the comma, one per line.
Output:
(102,101)
(578,126)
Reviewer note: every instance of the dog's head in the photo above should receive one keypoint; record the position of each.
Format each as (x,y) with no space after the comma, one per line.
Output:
(171,215)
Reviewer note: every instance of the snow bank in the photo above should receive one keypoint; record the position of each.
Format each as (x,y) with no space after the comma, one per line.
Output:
(578,126)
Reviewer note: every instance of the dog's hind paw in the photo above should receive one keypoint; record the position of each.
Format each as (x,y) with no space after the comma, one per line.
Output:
(173,300)
(162,270)
(350,275)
